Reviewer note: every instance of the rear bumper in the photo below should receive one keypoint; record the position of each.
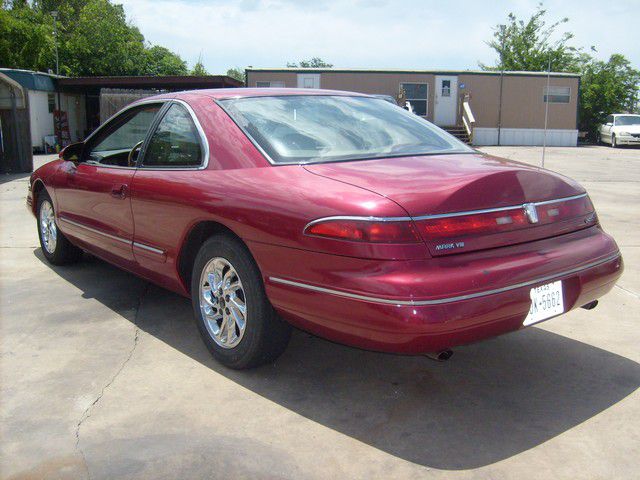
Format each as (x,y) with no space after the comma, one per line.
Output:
(446,323)
(587,262)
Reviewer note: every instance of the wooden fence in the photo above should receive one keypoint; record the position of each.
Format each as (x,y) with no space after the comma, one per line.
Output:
(114,99)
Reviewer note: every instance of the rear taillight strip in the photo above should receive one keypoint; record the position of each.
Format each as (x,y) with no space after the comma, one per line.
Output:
(499,209)
(441,215)
(402,230)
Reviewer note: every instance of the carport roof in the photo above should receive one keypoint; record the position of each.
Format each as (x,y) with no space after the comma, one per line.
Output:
(170,82)
(47,82)
(31,80)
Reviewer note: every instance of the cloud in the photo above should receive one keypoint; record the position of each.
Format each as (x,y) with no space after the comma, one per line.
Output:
(364,33)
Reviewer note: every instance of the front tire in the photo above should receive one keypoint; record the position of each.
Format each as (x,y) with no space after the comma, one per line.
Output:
(614,142)
(55,246)
(235,318)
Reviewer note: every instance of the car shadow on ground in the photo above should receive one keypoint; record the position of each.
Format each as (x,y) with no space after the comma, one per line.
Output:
(491,401)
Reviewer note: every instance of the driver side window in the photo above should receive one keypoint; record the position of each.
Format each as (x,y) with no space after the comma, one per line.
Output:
(175,142)
(113,145)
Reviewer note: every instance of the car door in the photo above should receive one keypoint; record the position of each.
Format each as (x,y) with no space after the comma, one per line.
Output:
(93,195)
(170,171)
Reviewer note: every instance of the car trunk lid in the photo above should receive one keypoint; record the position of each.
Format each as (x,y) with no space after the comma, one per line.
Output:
(451,196)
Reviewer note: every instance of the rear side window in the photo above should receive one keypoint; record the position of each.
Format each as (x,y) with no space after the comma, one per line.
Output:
(175,142)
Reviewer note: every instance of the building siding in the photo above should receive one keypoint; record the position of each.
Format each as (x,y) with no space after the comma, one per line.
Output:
(522,96)
(378,83)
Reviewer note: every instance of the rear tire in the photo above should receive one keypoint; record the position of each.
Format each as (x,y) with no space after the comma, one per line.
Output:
(55,246)
(235,318)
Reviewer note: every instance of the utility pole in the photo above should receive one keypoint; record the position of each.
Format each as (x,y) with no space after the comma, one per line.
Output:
(546,111)
(501,82)
(54,14)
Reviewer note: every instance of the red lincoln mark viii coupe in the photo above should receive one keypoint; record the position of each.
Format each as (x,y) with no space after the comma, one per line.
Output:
(335,212)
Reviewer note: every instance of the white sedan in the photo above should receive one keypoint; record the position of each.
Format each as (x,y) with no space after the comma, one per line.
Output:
(621,129)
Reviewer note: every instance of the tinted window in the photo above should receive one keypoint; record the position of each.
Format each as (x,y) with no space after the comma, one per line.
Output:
(111,146)
(176,142)
(314,128)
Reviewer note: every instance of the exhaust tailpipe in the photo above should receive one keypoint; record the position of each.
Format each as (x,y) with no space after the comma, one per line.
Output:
(590,305)
(441,356)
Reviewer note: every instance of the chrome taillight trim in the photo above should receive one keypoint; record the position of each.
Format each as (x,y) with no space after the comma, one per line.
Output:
(443,215)
(499,209)
(357,218)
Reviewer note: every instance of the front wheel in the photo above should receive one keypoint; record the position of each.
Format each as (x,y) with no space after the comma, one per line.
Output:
(614,142)
(235,318)
(55,246)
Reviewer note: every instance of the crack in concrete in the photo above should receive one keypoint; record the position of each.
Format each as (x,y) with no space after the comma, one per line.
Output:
(630,292)
(87,412)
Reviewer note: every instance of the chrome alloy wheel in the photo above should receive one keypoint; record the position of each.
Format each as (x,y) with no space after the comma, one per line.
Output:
(223,302)
(48,228)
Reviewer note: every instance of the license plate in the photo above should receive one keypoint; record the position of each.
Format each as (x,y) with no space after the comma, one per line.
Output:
(546,301)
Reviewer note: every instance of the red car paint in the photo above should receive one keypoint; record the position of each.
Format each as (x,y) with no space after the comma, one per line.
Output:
(405,298)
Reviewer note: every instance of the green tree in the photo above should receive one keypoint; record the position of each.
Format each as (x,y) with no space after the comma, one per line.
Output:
(162,61)
(25,39)
(198,69)
(102,42)
(528,46)
(237,73)
(314,62)
(94,38)
(607,87)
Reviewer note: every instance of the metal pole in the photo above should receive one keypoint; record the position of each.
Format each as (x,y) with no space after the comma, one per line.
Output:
(500,97)
(18,152)
(54,14)
(546,113)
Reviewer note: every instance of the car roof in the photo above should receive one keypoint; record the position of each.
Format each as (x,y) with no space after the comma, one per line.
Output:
(222,93)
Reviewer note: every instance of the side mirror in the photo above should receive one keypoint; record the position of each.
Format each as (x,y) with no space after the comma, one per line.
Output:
(72,153)
(609,124)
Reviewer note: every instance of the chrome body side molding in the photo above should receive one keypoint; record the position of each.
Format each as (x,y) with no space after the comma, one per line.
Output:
(439,301)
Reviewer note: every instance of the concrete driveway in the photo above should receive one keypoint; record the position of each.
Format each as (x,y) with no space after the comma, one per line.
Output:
(104,375)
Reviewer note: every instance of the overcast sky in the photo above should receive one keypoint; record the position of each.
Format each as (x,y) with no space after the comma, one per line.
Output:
(412,34)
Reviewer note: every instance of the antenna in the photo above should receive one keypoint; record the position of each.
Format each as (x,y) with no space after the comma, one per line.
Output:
(546,112)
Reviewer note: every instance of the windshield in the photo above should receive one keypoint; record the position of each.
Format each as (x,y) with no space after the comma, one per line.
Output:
(628,120)
(314,128)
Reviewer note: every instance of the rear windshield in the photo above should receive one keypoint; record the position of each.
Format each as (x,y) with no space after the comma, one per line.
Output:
(314,128)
